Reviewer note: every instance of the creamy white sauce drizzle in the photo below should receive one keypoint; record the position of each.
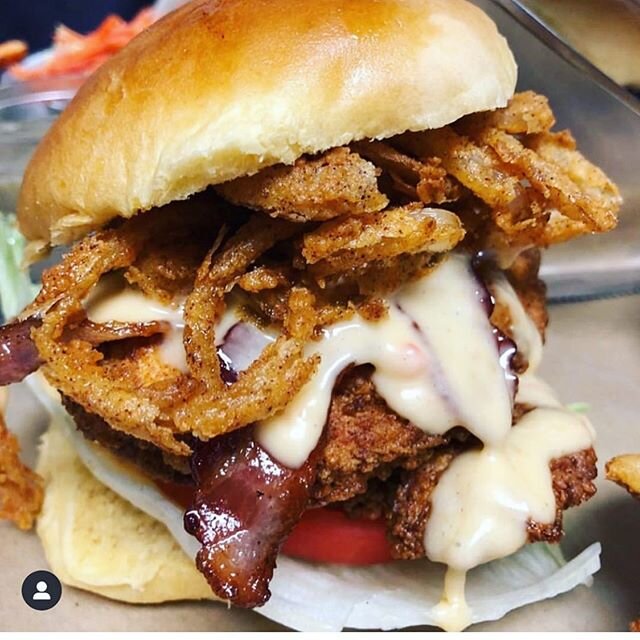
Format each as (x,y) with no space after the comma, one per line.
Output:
(483,501)
(452,613)
(524,330)
(436,364)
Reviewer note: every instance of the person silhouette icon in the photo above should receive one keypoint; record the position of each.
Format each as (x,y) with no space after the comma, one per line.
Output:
(41,591)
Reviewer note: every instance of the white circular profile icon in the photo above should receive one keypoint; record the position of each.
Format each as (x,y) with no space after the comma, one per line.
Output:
(41,592)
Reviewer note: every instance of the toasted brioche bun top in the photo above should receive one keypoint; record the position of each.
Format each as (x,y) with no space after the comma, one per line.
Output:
(221,88)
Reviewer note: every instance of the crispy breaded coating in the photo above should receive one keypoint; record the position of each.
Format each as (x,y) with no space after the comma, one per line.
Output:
(573,478)
(333,184)
(365,439)
(625,471)
(340,245)
(408,517)
(21,490)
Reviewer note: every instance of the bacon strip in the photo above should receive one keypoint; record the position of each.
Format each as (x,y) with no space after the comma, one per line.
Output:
(245,506)
(19,356)
(99,333)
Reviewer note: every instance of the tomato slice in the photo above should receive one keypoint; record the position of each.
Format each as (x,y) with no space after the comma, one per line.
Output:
(330,536)
(322,535)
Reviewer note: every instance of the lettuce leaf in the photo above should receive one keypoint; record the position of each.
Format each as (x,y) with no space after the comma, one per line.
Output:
(402,594)
(16,288)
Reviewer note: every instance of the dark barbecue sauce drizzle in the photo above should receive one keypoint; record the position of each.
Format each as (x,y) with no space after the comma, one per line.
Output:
(482,268)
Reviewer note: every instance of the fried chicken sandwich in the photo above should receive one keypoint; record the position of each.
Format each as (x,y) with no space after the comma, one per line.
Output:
(300,302)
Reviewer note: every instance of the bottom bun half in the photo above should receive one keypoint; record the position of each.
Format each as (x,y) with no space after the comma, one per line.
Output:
(97,541)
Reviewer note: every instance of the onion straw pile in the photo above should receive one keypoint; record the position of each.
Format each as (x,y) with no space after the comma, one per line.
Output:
(302,247)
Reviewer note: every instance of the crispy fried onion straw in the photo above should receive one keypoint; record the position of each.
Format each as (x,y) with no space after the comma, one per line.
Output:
(215,278)
(426,181)
(268,385)
(73,366)
(538,187)
(340,245)
(334,184)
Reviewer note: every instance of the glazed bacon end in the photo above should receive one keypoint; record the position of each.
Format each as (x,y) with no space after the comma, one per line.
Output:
(245,506)
(18,354)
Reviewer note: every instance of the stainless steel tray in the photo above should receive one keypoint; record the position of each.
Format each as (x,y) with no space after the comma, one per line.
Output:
(605,119)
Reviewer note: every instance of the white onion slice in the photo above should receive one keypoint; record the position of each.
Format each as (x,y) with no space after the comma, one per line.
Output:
(243,343)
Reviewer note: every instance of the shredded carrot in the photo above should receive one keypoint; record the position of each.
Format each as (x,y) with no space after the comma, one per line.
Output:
(74,53)
(11,52)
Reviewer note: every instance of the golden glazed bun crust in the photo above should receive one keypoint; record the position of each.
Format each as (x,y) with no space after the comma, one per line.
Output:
(220,89)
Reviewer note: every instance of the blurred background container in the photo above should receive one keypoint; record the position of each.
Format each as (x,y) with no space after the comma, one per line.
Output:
(26,112)
(34,21)
(606,32)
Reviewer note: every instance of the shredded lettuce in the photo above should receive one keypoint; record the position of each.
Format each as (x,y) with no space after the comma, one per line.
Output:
(16,288)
